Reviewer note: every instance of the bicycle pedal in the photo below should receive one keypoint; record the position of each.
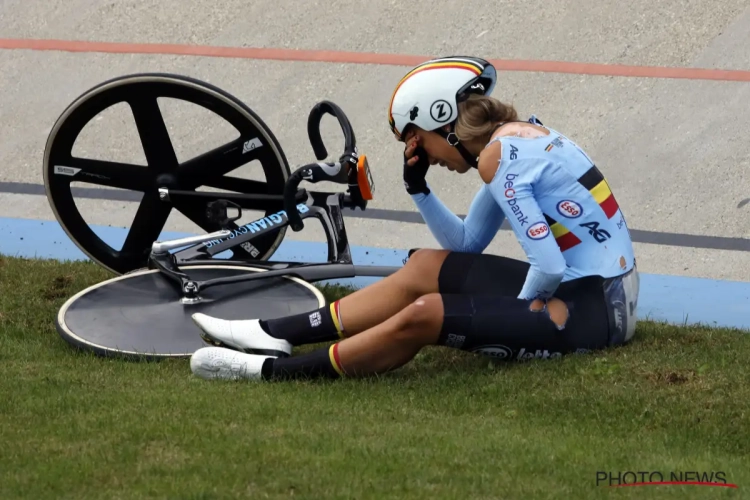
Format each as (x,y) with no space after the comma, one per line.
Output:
(216,211)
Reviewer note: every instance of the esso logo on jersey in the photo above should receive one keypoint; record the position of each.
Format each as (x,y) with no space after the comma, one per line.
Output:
(538,231)
(569,209)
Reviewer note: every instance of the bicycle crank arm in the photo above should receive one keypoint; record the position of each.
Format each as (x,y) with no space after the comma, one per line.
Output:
(161,247)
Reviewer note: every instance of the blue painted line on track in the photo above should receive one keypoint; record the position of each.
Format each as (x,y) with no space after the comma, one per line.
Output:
(674,299)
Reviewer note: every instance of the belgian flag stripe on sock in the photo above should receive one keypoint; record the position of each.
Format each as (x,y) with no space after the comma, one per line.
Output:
(333,354)
(336,316)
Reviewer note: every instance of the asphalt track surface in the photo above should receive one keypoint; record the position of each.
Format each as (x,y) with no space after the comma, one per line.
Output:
(656,92)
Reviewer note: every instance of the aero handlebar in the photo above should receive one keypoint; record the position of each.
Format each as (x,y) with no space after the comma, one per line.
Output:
(343,171)
(313,129)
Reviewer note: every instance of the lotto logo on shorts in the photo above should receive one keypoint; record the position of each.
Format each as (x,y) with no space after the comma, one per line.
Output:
(569,209)
(538,231)
(538,354)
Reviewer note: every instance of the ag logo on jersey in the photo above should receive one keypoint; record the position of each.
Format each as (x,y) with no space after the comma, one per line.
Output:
(538,231)
(569,209)
(441,111)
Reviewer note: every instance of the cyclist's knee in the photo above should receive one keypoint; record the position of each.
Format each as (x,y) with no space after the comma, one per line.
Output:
(426,258)
(422,269)
(421,319)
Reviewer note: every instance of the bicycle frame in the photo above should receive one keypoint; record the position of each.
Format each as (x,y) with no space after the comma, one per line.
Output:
(324,206)
(351,169)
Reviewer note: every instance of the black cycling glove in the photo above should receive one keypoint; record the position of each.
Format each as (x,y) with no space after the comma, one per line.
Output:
(414,175)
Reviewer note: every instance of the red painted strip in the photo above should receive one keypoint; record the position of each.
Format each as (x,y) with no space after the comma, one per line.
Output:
(335,56)
(676,483)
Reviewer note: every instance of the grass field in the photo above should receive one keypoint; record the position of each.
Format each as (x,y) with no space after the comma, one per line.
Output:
(449,425)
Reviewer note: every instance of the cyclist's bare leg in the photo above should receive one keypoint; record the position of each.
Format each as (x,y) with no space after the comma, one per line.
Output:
(380,301)
(364,308)
(393,343)
(387,345)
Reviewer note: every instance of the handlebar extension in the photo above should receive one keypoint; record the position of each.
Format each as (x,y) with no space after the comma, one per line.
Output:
(313,129)
(340,171)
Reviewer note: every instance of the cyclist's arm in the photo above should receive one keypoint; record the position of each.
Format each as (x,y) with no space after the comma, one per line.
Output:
(471,235)
(514,192)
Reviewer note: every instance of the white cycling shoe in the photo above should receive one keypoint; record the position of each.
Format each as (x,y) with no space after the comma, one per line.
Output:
(218,363)
(242,335)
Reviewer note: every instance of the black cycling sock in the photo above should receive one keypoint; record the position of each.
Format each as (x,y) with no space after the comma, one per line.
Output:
(321,325)
(320,363)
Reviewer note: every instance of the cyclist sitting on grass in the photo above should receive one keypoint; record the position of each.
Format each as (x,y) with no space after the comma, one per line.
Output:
(577,292)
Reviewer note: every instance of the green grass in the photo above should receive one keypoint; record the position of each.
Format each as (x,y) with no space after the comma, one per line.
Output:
(448,425)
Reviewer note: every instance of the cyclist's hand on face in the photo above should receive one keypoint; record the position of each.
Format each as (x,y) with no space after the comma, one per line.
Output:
(415,167)
(411,149)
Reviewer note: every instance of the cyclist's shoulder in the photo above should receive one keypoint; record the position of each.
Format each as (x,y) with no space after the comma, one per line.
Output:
(510,142)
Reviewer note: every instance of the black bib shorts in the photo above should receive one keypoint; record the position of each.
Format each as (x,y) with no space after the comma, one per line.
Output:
(484,315)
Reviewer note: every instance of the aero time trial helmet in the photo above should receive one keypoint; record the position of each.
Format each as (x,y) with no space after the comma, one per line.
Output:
(429,94)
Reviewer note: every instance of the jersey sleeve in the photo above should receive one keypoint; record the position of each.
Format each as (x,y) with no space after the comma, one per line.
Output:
(471,235)
(513,188)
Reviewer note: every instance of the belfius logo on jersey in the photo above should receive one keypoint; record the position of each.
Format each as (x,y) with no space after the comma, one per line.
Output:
(510,194)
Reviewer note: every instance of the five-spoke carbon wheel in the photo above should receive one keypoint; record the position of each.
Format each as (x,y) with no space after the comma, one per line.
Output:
(210,169)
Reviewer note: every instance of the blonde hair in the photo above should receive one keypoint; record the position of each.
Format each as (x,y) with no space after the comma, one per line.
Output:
(479,116)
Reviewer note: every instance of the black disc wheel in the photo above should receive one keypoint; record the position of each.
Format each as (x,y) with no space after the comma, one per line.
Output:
(163,170)
(141,315)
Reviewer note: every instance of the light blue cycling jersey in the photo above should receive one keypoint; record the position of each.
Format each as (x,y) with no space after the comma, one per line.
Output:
(559,206)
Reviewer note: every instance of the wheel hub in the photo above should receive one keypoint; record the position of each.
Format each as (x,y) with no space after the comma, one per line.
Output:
(167,181)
